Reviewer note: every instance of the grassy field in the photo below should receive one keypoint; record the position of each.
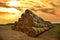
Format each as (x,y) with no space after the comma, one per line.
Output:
(56,27)
(10,24)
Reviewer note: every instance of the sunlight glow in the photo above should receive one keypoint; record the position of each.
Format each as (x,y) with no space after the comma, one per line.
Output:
(10,10)
(13,14)
(14,3)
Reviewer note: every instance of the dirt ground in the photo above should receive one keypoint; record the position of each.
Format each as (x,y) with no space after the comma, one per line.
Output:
(7,34)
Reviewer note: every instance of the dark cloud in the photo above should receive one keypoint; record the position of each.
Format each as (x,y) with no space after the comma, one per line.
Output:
(33,9)
(2,4)
(48,10)
(53,4)
(45,10)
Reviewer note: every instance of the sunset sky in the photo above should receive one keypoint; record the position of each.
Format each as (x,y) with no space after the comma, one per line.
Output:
(47,9)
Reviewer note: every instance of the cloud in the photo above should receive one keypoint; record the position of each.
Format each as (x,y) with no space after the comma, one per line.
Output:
(3,5)
(47,9)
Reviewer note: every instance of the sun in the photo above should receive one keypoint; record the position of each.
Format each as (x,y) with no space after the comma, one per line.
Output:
(14,3)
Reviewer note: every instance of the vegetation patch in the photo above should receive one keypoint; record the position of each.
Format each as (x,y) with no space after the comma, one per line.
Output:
(56,29)
(9,24)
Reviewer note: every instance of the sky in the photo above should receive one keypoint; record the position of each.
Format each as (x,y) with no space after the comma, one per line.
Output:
(48,10)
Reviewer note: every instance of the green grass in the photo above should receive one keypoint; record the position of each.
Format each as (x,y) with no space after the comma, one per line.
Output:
(56,29)
(10,24)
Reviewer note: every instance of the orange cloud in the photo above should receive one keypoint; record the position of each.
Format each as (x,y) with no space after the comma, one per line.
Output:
(47,9)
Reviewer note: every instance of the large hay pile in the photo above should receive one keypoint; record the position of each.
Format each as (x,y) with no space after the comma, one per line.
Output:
(31,24)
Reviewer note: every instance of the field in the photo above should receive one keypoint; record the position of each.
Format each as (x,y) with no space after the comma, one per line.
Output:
(7,34)
(9,24)
(56,29)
